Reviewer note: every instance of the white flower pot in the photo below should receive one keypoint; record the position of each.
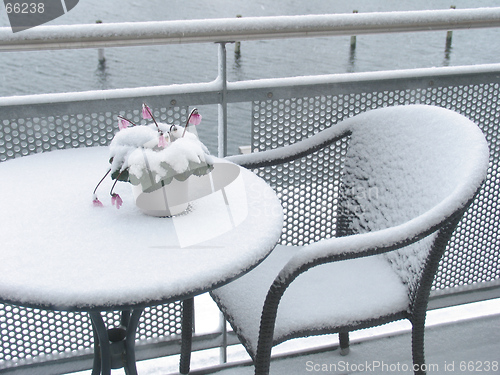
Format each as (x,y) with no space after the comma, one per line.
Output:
(173,198)
(169,200)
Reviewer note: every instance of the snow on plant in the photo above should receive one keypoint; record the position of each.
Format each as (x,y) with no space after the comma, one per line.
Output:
(154,154)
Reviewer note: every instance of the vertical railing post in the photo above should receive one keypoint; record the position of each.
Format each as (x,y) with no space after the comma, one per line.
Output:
(222,121)
(223,346)
(222,151)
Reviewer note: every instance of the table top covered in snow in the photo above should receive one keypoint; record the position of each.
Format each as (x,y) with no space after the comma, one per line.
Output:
(58,251)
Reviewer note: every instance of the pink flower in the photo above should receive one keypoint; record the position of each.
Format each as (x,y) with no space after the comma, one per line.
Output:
(195,119)
(123,123)
(116,200)
(96,202)
(162,141)
(146,112)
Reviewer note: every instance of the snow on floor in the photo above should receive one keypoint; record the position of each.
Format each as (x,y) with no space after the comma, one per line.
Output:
(451,349)
(459,340)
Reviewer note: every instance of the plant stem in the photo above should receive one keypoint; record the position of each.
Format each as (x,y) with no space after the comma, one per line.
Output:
(157,127)
(126,119)
(194,111)
(114,184)
(102,179)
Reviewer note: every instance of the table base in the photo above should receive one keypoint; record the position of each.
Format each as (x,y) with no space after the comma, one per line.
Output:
(115,347)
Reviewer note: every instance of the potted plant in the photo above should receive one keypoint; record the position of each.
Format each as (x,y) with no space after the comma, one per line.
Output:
(158,159)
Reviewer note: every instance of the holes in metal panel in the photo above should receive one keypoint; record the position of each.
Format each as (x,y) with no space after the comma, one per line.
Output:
(33,135)
(30,335)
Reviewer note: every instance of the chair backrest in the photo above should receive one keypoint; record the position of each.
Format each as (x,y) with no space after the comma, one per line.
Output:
(401,162)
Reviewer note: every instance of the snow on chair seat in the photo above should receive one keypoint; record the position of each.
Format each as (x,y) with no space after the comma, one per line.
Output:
(366,287)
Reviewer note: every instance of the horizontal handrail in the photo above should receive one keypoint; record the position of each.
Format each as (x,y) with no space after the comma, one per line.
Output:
(242,29)
(241,90)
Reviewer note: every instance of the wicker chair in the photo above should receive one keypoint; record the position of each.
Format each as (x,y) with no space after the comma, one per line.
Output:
(424,166)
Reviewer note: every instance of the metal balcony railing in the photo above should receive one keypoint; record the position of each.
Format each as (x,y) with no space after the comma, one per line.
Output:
(280,111)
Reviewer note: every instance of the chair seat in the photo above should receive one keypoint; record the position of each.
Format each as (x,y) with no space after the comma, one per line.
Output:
(340,293)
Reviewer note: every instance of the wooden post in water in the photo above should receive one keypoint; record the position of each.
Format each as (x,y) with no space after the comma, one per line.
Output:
(237,45)
(449,34)
(353,38)
(100,51)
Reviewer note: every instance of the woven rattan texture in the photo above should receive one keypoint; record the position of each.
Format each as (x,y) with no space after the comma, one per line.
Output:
(31,335)
(308,187)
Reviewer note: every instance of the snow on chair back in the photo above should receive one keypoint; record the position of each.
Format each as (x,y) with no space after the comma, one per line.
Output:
(401,162)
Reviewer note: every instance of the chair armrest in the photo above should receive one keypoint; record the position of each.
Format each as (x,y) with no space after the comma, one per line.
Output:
(294,151)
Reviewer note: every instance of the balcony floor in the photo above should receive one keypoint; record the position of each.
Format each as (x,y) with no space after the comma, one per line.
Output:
(459,340)
(450,348)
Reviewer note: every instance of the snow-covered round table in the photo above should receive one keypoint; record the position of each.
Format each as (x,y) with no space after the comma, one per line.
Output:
(60,252)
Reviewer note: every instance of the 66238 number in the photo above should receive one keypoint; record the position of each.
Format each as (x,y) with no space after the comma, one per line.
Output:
(25,8)
(479,366)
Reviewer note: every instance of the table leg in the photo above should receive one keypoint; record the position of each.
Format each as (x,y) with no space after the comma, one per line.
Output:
(96,366)
(187,335)
(101,345)
(115,347)
(130,367)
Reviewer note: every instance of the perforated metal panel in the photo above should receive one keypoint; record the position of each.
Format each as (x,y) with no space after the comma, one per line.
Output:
(308,187)
(31,335)
(24,136)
